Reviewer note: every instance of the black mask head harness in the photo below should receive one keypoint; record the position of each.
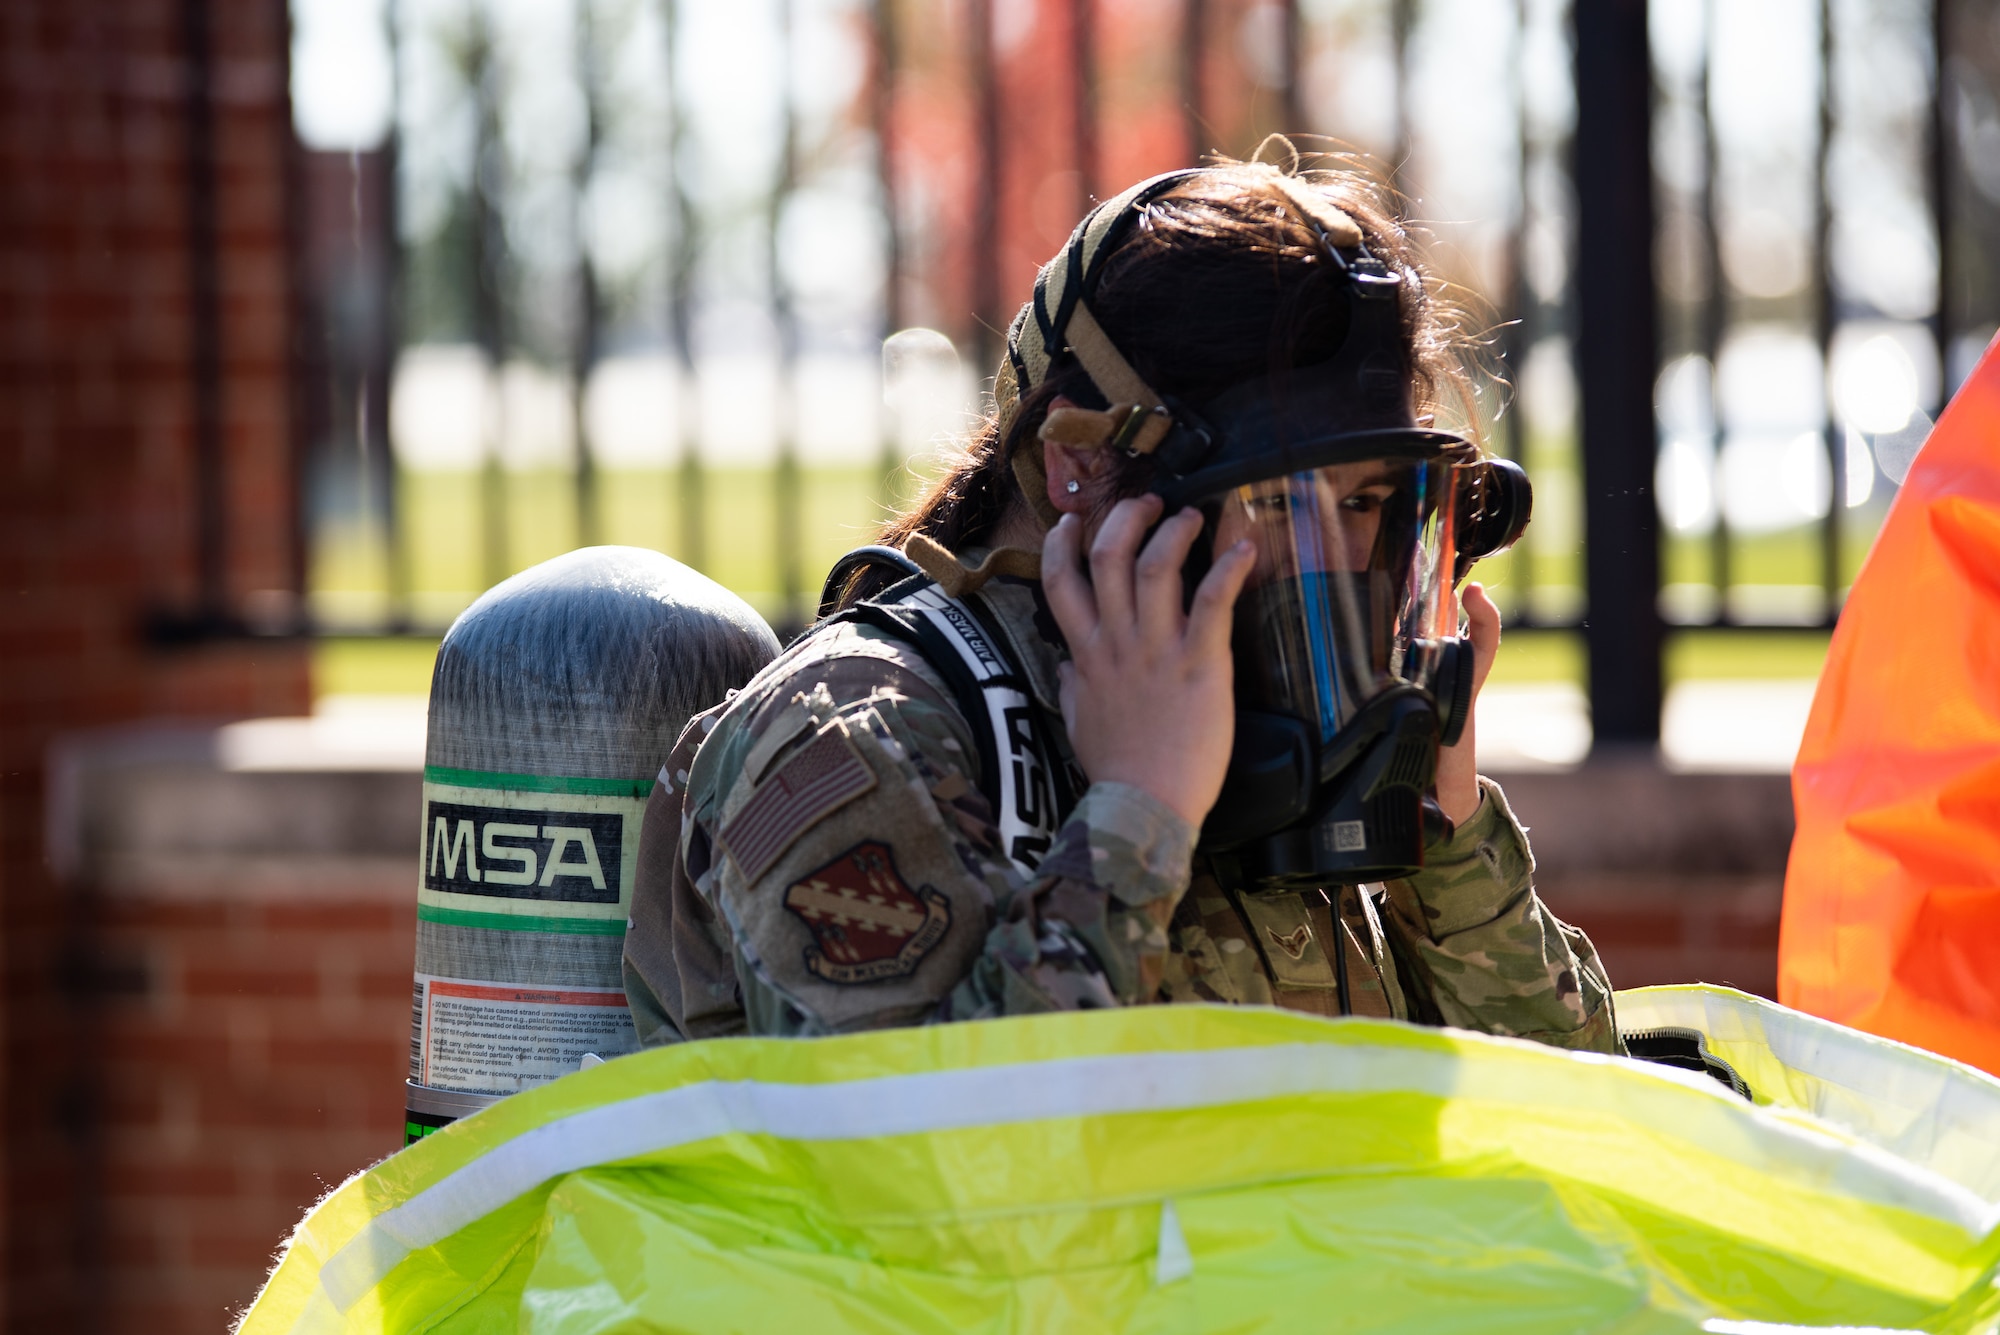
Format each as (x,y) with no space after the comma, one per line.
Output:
(1297,808)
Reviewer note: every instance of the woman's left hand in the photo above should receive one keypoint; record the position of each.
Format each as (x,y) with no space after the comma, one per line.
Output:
(1458,766)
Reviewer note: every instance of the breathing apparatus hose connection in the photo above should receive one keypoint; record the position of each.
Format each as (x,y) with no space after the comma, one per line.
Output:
(1493,505)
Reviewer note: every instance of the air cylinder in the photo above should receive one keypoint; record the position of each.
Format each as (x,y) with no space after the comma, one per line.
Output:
(555,700)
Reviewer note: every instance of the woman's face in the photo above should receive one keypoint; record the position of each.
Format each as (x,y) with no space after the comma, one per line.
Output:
(1325,520)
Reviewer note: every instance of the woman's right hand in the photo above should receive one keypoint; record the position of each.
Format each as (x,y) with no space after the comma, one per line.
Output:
(1148,694)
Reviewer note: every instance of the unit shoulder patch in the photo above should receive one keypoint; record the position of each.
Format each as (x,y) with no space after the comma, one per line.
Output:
(825,775)
(868,925)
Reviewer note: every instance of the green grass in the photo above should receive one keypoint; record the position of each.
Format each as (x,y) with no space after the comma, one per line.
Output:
(1789,556)
(449,558)
(448,562)
(1694,655)
(1529,656)
(353,666)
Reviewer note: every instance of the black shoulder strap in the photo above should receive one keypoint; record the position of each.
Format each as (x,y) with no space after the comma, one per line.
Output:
(861,558)
(1063,778)
(1020,771)
(886,614)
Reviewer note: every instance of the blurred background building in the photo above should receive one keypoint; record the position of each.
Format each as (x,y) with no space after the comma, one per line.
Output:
(321,318)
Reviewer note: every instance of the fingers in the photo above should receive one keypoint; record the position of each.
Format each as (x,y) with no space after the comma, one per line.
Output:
(1483,627)
(1160,590)
(1209,619)
(1069,597)
(1457,777)
(1135,596)
(1112,555)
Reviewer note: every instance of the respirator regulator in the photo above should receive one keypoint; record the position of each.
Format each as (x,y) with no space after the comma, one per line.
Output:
(1350,669)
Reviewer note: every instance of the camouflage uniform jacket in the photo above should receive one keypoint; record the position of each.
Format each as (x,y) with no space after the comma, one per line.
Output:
(817,858)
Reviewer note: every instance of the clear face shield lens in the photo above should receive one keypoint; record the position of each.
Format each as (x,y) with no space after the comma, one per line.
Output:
(1352,589)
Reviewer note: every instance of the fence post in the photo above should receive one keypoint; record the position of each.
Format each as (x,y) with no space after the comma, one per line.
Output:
(211,455)
(1616,360)
(1941,200)
(1194,101)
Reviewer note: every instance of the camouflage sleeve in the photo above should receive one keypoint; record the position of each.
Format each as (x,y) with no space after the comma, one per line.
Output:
(1090,927)
(680,974)
(1489,954)
(838,832)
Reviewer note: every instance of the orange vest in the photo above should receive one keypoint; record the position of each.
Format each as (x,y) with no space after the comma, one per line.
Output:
(1892,898)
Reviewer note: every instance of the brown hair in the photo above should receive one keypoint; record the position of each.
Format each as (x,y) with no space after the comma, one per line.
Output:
(1219,280)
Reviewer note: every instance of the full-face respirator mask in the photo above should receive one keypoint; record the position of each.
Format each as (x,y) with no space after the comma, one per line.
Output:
(1350,669)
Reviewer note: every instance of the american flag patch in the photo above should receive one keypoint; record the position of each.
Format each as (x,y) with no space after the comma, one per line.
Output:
(826,775)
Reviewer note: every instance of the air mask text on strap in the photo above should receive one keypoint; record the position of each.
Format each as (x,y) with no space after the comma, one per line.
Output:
(1026,798)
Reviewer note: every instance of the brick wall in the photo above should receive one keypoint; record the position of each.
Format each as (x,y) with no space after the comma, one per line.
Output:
(1678,878)
(256,1060)
(248,1032)
(97,491)
(1676,928)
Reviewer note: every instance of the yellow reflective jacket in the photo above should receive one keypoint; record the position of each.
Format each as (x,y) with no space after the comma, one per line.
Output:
(1189,1168)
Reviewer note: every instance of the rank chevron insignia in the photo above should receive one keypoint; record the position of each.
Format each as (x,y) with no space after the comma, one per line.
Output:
(1294,942)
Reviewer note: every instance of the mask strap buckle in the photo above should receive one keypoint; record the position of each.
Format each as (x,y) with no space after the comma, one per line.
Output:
(1142,430)
(1146,425)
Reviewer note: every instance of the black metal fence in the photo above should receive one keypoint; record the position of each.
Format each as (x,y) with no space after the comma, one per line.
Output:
(626,269)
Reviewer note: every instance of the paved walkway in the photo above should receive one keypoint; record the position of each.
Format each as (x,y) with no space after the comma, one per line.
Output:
(1728,726)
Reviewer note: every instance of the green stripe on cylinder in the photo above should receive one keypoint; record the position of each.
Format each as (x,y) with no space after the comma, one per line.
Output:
(555,699)
(522,922)
(537,783)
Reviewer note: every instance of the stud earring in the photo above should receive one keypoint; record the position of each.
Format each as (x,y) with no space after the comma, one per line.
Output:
(1074,487)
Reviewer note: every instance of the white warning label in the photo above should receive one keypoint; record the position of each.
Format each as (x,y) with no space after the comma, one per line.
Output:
(500,1038)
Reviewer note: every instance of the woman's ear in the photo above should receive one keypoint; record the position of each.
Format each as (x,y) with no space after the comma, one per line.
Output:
(1075,472)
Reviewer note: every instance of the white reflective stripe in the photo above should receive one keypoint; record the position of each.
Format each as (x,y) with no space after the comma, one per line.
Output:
(1014,827)
(959,625)
(1719,1326)
(1919,1106)
(1716,1122)
(959,628)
